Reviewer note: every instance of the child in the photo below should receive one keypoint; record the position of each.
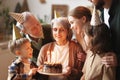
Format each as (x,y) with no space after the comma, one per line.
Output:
(22,68)
(98,41)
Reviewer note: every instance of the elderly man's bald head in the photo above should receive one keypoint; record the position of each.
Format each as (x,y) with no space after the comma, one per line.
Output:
(31,25)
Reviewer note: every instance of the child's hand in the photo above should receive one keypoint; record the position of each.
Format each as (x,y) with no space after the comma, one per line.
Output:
(40,67)
(66,71)
(32,71)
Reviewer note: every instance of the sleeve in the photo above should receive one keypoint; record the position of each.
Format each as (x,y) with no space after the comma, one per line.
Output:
(80,57)
(78,64)
(42,55)
(109,73)
(83,71)
(13,73)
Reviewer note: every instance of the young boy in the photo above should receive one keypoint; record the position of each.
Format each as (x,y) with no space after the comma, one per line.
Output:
(22,68)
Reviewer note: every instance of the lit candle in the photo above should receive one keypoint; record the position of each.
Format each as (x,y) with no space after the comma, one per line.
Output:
(53,57)
(48,56)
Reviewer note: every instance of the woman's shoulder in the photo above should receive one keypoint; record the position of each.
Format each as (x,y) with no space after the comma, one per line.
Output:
(73,43)
(47,46)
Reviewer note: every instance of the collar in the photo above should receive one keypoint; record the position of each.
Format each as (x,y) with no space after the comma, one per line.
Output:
(30,39)
(90,53)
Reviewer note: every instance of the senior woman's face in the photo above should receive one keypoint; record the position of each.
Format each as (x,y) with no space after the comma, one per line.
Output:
(59,33)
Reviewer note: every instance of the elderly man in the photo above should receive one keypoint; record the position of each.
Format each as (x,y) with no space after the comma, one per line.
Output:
(32,29)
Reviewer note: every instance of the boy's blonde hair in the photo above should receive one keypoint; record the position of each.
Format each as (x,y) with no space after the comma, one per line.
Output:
(16,44)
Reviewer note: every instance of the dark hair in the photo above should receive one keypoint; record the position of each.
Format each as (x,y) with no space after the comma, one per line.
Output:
(101,38)
(65,23)
(16,44)
(100,4)
(79,12)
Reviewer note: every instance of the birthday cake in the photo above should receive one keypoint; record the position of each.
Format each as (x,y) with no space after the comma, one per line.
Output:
(52,67)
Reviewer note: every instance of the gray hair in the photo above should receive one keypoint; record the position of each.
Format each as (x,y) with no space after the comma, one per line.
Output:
(26,15)
(65,23)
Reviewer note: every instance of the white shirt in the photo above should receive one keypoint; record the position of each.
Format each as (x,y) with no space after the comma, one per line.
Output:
(106,16)
(26,68)
(60,54)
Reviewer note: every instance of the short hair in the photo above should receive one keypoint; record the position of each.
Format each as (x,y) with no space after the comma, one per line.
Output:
(101,38)
(16,44)
(26,16)
(65,23)
(79,12)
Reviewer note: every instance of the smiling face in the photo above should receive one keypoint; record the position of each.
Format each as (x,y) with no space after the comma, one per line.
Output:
(59,33)
(78,17)
(61,30)
(33,27)
(76,24)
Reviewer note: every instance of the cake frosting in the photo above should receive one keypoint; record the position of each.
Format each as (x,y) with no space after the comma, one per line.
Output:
(52,67)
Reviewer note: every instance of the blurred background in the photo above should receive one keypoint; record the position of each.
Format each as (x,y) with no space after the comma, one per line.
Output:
(42,9)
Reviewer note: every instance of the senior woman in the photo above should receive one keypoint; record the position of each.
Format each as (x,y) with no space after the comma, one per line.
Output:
(62,50)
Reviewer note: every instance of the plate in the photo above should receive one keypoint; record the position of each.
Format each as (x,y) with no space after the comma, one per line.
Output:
(50,74)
